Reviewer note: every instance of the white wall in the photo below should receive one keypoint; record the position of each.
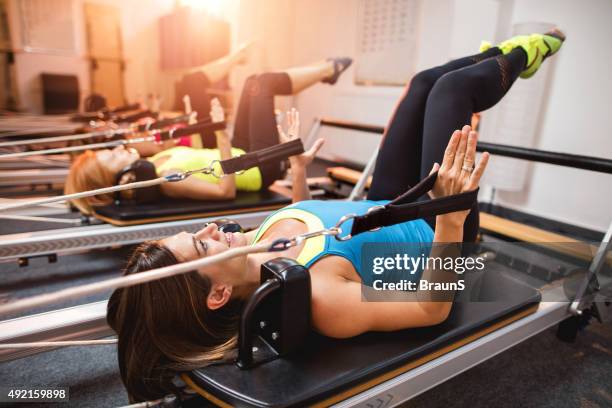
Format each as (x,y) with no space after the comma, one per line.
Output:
(140,34)
(267,26)
(139,28)
(574,116)
(329,28)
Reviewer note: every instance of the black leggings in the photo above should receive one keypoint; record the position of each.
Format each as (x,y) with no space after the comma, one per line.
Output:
(436,102)
(255,124)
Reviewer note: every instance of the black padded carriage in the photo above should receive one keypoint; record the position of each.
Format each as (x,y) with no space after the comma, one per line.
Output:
(170,209)
(327,371)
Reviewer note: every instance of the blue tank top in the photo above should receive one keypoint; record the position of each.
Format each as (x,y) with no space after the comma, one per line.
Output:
(318,214)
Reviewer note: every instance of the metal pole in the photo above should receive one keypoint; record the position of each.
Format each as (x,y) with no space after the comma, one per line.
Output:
(597,263)
(357,191)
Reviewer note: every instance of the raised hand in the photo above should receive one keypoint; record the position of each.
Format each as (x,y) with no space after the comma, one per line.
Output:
(459,171)
(293,132)
(293,126)
(216,111)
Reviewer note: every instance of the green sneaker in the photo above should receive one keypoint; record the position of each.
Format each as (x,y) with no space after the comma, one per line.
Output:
(538,47)
(484,46)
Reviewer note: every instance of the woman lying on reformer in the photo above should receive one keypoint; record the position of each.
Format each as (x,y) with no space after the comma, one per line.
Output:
(189,321)
(255,128)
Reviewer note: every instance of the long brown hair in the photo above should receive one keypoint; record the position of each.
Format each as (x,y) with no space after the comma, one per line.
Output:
(165,327)
(86,173)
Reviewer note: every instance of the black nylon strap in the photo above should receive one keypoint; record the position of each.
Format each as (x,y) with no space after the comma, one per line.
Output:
(274,153)
(420,189)
(405,208)
(137,116)
(202,126)
(125,108)
(165,122)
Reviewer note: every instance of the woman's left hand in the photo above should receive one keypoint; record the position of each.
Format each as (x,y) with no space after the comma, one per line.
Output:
(293,132)
(459,171)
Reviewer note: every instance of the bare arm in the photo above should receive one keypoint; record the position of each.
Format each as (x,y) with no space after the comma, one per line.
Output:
(339,311)
(299,187)
(147,149)
(196,189)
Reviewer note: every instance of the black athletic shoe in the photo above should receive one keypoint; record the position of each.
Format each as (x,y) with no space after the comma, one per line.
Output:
(340,65)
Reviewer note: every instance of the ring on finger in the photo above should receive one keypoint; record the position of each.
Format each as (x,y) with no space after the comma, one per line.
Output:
(469,167)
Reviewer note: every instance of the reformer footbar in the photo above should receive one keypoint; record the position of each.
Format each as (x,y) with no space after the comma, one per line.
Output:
(279,152)
(152,135)
(108,133)
(118,118)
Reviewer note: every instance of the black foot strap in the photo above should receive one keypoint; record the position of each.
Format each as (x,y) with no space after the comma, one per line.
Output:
(276,153)
(405,207)
(202,126)
(137,116)
(159,124)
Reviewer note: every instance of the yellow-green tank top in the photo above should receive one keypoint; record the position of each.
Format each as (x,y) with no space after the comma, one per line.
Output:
(187,158)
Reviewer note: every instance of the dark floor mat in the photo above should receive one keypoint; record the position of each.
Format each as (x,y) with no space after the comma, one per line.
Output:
(541,372)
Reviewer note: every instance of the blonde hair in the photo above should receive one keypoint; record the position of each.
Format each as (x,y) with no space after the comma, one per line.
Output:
(87,173)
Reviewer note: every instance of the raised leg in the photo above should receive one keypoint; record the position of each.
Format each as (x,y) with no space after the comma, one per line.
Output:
(255,124)
(453,100)
(304,77)
(196,82)
(399,161)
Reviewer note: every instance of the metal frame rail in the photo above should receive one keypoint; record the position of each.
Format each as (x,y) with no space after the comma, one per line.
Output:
(84,322)
(57,241)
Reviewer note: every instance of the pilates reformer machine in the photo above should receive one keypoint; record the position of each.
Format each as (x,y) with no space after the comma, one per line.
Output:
(15,126)
(22,165)
(138,221)
(281,363)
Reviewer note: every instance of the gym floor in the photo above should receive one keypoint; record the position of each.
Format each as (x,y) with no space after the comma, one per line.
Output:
(540,372)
